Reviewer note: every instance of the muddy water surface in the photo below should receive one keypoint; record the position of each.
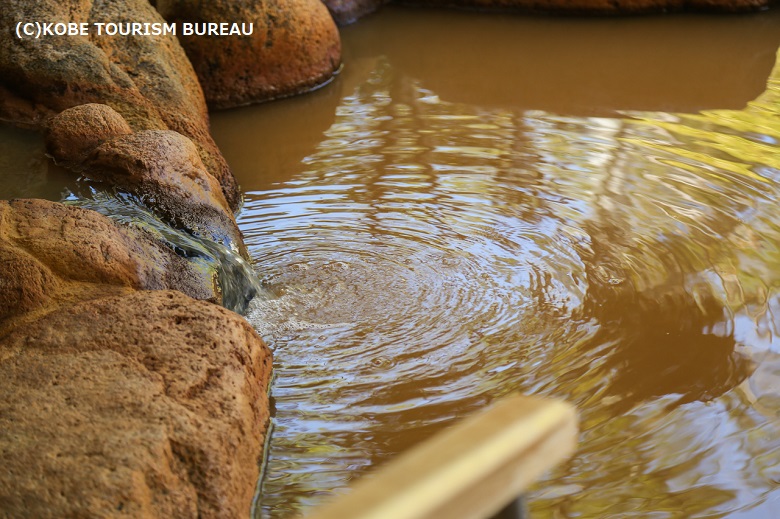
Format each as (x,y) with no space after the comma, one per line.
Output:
(481,205)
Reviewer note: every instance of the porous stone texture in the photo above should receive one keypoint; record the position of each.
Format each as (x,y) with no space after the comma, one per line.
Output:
(294,47)
(74,133)
(160,167)
(120,397)
(51,254)
(164,167)
(150,404)
(600,6)
(147,79)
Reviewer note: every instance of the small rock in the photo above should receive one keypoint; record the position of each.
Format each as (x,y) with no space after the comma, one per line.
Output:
(72,134)
(164,169)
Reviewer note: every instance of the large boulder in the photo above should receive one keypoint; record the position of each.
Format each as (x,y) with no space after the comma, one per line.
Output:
(294,47)
(151,404)
(147,79)
(52,253)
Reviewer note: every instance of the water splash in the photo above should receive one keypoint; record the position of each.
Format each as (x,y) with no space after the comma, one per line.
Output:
(431,256)
(237,279)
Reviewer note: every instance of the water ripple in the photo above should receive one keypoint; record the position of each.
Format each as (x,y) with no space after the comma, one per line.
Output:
(432,256)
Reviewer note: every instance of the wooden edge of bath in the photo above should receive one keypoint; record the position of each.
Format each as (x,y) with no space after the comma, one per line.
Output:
(471,470)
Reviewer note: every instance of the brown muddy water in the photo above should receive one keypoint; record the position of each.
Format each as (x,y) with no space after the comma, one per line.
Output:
(482,204)
(488,204)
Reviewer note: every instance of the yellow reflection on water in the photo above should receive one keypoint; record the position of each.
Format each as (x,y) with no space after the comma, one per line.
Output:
(440,236)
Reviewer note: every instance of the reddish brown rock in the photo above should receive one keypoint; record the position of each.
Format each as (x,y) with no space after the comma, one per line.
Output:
(147,79)
(163,169)
(72,134)
(160,167)
(45,245)
(600,6)
(147,405)
(26,283)
(294,47)
(158,157)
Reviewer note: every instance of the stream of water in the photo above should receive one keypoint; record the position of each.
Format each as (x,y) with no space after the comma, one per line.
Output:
(480,205)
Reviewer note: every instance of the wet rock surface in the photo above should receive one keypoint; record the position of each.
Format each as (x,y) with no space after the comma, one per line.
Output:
(161,168)
(120,397)
(147,79)
(143,405)
(52,252)
(164,170)
(294,47)
(123,390)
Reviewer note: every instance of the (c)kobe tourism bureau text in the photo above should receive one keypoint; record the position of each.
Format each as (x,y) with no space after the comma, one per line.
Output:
(37,29)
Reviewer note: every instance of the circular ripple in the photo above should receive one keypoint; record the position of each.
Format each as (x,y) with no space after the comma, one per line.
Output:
(431,257)
(394,316)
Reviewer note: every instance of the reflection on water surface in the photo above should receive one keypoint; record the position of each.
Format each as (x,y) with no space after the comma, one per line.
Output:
(442,232)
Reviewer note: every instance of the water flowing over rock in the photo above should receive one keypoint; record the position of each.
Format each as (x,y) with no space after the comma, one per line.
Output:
(165,165)
(120,397)
(126,391)
(146,79)
(144,405)
(52,253)
(294,47)
(160,167)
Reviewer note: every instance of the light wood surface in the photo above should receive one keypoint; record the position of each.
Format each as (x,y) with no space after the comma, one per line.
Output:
(471,470)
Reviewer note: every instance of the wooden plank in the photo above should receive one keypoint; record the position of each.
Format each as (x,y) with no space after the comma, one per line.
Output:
(468,471)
